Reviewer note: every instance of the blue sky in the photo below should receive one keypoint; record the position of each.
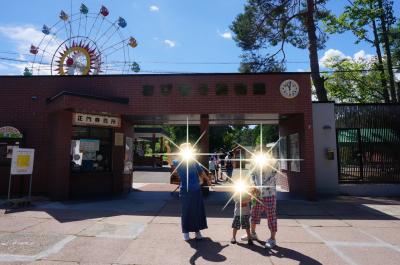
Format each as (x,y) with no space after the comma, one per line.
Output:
(168,31)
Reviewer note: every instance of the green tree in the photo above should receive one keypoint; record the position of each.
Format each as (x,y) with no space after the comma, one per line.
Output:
(274,23)
(178,133)
(369,21)
(354,81)
(270,134)
(395,45)
(387,20)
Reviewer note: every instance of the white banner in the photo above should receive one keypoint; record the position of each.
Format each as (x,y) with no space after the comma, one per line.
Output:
(22,161)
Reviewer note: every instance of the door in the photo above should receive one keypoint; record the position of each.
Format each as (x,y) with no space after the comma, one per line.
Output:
(349,155)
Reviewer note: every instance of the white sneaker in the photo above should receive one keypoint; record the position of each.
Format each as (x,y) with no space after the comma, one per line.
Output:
(270,243)
(186,236)
(253,236)
(198,236)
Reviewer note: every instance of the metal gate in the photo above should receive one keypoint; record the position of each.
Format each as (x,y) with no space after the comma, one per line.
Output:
(368,142)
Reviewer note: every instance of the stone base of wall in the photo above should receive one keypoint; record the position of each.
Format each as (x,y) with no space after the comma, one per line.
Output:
(384,190)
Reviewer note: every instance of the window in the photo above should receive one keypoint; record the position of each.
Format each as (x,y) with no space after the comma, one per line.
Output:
(203,89)
(240,89)
(148,90)
(259,89)
(221,89)
(185,89)
(91,149)
(166,89)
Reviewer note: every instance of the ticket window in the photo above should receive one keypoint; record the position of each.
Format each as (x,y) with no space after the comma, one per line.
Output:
(91,149)
(6,147)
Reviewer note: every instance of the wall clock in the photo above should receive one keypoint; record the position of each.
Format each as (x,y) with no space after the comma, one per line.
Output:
(289,89)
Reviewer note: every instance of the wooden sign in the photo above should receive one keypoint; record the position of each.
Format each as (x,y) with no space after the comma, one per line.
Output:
(95,120)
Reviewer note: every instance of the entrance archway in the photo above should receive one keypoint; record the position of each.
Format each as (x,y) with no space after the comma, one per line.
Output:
(48,116)
(291,145)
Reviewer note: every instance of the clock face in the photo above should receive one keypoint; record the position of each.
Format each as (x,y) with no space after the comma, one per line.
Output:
(289,89)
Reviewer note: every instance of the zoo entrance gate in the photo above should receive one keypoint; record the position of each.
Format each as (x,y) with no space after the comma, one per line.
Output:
(368,143)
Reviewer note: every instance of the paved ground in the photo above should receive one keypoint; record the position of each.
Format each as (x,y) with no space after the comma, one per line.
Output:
(143,228)
(151,177)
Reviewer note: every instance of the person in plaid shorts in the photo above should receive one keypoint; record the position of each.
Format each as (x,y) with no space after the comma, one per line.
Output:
(265,203)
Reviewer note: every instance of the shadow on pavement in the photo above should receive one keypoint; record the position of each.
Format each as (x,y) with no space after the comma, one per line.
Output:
(161,203)
(207,249)
(281,252)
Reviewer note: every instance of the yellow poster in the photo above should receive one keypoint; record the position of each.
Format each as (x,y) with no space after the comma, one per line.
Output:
(23,161)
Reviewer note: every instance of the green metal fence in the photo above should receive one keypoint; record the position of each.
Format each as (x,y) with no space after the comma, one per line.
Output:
(368,142)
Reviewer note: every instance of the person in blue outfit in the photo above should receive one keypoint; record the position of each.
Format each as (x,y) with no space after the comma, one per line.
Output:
(193,218)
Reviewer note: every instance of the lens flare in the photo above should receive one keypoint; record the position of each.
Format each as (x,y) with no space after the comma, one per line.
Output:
(241,187)
(187,152)
(262,159)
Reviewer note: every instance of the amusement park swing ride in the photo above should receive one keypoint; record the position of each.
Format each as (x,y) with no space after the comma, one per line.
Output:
(84,43)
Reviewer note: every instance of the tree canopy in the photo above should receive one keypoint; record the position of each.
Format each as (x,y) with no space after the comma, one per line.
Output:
(371,21)
(267,24)
(354,80)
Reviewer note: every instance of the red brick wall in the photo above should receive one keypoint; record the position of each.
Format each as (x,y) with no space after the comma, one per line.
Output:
(302,182)
(58,156)
(42,128)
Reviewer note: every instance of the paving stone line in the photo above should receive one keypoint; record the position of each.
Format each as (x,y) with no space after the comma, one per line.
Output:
(332,247)
(51,250)
(382,243)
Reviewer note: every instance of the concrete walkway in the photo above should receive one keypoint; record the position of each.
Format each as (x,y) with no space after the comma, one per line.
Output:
(144,228)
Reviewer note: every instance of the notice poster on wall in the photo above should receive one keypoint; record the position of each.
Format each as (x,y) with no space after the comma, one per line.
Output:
(283,152)
(89,156)
(128,162)
(294,149)
(119,139)
(89,145)
(10,149)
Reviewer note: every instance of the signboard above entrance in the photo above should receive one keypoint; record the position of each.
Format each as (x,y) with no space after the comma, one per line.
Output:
(95,120)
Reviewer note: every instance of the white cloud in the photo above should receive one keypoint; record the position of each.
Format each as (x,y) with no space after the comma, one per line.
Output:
(170,43)
(26,34)
(226,34)
(15,68)
(23,37)
(397,77)
(331,54)
(154,8)
(362,56)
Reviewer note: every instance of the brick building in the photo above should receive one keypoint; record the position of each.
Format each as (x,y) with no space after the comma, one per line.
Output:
(56,112)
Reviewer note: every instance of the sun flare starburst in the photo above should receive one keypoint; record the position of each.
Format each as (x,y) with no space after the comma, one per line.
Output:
(242,186)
